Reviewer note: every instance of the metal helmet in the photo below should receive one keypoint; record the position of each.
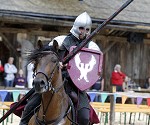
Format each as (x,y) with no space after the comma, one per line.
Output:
(83,20)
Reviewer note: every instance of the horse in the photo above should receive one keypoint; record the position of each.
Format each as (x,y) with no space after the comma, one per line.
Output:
(55,108)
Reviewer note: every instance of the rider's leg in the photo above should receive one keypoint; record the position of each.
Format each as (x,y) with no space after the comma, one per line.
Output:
(28,112)
(83,116)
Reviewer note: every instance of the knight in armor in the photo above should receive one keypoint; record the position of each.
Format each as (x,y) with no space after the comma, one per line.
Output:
(80,30)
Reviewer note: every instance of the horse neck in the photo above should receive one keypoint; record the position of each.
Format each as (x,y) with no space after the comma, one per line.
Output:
(56,102)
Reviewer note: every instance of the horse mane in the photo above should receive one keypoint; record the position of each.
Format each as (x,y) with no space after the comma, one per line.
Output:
(39,53)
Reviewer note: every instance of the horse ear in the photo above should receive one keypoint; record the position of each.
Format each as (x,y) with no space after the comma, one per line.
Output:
(55,45)
(39,44)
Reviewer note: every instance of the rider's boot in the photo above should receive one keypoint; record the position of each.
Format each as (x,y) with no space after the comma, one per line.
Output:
(83,116)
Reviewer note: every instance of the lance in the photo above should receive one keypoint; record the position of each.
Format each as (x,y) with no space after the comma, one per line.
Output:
(70,55)
(96,31)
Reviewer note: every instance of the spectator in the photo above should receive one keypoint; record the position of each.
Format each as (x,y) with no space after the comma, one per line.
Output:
(117,77)
(98,86)
(125,85)
(1,72)
(30,67)
(10,69)
(20,80)
(147,83)
(126,88)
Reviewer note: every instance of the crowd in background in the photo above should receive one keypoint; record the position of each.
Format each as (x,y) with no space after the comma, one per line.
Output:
(10,76)
(122,82)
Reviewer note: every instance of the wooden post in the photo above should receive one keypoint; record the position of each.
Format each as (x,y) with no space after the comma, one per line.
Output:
(112,105)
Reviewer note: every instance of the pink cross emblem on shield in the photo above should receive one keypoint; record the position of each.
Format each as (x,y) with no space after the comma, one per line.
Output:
(84,68)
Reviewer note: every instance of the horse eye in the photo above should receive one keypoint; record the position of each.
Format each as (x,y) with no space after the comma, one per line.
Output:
(54,60)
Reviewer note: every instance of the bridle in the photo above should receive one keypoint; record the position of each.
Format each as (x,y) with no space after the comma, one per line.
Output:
(49,87)
(49,79)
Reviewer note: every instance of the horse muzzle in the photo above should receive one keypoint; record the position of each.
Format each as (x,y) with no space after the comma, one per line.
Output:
(40,85)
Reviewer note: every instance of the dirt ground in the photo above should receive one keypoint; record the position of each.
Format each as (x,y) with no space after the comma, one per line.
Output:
(136,120)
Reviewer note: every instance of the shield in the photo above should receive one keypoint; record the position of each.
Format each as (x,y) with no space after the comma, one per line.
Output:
(85,67)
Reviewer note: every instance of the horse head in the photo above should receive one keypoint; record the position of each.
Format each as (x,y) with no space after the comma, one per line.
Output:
(46,66)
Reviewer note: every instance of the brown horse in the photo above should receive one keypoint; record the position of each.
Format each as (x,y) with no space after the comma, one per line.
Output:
(55,104)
